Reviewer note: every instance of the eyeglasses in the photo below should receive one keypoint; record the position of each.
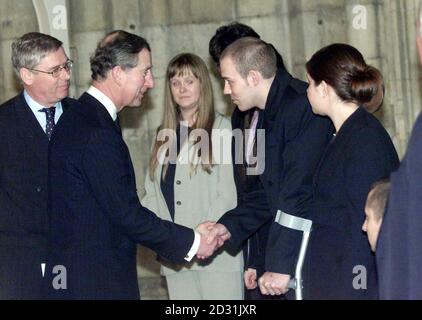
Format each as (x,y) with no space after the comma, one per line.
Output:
(55,73)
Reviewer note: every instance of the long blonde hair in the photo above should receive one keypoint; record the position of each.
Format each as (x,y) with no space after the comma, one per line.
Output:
(181,65)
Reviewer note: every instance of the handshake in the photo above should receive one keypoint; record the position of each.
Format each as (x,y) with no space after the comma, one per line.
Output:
(213,236)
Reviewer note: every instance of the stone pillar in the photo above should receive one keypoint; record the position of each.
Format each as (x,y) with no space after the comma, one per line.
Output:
(365,26)
(52,17)
(89,22)
(401,68)
(17,17)
(314,24)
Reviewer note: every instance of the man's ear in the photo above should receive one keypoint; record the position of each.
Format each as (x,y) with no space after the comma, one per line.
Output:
(254,77)
(27,76)
(118,75)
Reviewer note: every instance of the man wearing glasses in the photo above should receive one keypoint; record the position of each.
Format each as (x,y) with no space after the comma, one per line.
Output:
(26,124)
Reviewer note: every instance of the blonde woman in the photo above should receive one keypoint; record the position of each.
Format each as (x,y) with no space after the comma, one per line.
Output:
(189,183)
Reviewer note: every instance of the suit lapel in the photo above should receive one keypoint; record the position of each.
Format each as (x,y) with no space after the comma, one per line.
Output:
(30,130)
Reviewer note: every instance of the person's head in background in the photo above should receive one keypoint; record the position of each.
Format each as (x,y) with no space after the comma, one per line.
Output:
(188,93)
(376,203)
(40,62)
(227,34)
(188,97)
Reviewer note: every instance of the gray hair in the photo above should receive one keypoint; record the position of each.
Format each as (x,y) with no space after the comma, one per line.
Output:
(419,31)
(118,48)
(250,53)
(31,48)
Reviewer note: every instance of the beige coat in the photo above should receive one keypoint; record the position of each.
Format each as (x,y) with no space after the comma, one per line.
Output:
(198,197)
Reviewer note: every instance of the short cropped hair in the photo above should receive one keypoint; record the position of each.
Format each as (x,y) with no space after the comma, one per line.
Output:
(252,54)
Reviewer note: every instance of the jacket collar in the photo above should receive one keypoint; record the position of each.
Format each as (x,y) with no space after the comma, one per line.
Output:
(96,109)
(354,120)
(276,94)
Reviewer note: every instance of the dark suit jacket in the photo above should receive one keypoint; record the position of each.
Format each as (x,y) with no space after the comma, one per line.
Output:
(294,141)
(360,154)
(399,253)
(249,186)
(96,216)
(23,200)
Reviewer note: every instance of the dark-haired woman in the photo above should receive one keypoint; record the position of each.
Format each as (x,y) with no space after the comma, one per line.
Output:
(339,263)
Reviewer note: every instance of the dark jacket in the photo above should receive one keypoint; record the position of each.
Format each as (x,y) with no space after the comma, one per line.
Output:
(294,141)
(96,216)
(247,185)
(399,253)
(339,255)
(23,200)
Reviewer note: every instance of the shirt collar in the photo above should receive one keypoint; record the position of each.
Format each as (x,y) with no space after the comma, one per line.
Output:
(104,100)
(35,106)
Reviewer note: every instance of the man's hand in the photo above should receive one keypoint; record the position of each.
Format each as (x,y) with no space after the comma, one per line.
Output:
(250,279)
(274,283)
(213,234)
(219,232)
(206,248)
(205,227)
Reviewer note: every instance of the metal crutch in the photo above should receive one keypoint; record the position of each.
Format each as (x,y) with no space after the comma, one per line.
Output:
(299,224)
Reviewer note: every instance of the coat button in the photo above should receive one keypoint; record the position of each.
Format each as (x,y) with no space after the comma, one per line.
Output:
(178,182)
(178,203)
(38,189)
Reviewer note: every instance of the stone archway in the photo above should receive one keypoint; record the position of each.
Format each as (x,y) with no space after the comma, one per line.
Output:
(53,19)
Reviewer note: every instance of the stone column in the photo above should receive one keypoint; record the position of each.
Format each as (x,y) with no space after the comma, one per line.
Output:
(89,22)
(17,17)
(314,24)
(401,68)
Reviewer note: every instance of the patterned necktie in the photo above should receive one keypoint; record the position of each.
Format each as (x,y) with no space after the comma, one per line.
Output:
(49,127)
(117,123)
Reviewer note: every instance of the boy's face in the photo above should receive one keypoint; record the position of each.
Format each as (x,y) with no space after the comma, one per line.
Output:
(371,226)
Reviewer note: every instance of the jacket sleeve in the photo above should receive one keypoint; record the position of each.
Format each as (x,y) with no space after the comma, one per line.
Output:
(252,209)
(109,172)
(149,200)
(306,137)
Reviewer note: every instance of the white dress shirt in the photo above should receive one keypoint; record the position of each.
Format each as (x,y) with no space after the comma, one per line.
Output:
(40,116)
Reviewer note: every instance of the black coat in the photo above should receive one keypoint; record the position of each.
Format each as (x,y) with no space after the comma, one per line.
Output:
(294,141)
(96,216)
(23,200)
(399,252)
(360,154)
(247,185)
